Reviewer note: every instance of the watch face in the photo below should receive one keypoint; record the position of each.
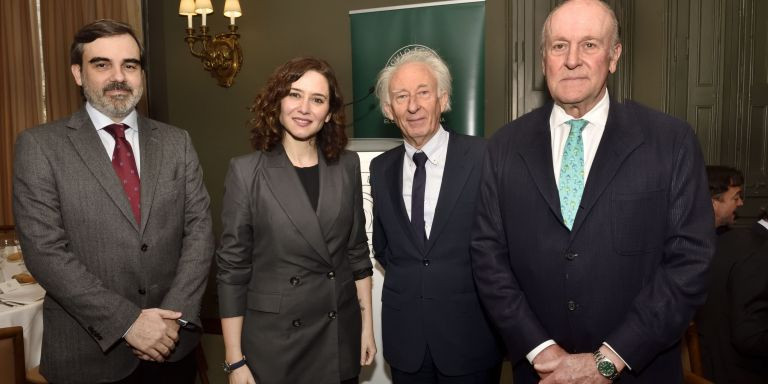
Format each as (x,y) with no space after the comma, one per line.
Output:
(606,368)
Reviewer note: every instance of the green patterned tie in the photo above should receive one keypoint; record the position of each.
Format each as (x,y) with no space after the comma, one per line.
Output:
(572,172)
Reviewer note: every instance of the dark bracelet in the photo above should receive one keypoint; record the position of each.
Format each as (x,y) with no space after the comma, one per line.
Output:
(229,368)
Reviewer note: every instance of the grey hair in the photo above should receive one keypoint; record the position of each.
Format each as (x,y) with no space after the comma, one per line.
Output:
(615,34)
(416,55)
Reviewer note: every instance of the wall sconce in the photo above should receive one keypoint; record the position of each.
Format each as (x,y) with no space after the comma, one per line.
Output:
(221,54)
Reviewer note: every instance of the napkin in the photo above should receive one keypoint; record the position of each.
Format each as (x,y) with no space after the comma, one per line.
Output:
(26,294)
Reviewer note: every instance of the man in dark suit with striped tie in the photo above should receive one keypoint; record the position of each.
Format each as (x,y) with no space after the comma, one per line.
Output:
(424,191)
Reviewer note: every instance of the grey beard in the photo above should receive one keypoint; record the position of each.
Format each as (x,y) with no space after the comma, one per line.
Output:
(114,107)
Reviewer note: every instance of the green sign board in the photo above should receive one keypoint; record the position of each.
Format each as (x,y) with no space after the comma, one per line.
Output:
(453,29)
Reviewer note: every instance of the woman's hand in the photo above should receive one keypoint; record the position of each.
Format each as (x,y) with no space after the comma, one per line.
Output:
(367,343)
(241,375)
(367,347)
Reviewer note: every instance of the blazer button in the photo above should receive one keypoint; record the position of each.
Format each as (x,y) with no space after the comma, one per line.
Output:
(331,275)
(142,291)
(425,262)
(570,256)
(296,323)
(572,305)
(144,247)
(295,281)
(332,315)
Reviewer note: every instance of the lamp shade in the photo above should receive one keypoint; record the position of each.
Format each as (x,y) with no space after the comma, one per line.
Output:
(187,7)
(232,8)
(203,7)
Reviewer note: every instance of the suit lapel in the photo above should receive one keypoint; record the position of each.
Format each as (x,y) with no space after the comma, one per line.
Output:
(288,191)
(394,180)
(88,145)
(620,138)
(330,199)
(151,155)
(455,175)
(537,155)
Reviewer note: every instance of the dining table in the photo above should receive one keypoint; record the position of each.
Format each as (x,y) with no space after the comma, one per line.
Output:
(22,305)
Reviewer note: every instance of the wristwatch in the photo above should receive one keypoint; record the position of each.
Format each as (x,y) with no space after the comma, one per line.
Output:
(228,368)
(605,366)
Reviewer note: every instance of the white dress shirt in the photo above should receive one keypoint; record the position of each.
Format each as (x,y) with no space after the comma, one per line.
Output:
(591,136)
(100,121)
(436,150)
(763,222)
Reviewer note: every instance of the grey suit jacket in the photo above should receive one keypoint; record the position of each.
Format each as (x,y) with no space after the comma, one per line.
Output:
(289,269)
(98,266)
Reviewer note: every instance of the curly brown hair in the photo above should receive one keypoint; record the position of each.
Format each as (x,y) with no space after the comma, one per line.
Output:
(266,129)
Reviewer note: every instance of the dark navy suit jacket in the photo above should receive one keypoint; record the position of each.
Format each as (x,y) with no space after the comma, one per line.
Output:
(429,295)
(632,270)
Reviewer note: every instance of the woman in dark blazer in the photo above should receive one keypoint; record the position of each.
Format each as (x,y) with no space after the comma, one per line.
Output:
(294,276)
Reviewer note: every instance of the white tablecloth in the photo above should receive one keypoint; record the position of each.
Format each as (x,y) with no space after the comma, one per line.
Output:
(29,317)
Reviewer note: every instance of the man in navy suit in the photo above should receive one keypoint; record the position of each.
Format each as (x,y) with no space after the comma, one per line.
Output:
(594,227)
(424,191)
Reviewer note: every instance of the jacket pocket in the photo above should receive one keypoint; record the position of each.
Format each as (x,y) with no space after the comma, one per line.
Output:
(265,302)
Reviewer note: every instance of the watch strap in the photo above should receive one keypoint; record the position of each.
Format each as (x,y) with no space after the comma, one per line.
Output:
(228,368)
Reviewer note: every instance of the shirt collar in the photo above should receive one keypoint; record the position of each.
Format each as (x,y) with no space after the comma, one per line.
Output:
(434,148)
(101,120)
(763,222)
(598,115)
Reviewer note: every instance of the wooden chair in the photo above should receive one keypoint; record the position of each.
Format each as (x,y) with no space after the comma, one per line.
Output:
(12,356)
(12,359)
(691,356)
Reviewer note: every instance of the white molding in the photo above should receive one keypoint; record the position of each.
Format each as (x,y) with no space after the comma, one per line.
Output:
(421,5)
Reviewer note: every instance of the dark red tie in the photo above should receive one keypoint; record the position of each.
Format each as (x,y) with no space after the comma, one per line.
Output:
(125,167)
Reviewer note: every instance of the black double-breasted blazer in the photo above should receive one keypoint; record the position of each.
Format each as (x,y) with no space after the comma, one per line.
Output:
(288,269)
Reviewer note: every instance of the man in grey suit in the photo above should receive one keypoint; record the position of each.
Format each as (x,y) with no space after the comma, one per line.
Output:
(424,191)
(122,246)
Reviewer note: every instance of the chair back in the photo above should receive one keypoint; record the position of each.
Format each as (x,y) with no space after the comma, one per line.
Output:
(691,355)
(12,369)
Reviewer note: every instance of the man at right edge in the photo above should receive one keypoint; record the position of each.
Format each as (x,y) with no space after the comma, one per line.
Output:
(594,227)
